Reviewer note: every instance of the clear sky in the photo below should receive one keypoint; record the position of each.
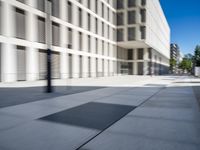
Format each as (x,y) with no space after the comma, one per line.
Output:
(184,20)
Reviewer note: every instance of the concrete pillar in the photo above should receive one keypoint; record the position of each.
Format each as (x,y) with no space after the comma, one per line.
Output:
(145,64)
(85,42)
(32,61)
(63,42)
(93,67)
(75,40)
(75,66)
(9,72)
(85,67)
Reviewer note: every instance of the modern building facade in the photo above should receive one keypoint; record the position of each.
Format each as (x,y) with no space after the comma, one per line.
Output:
(143,37)
(176,55)
(86,39)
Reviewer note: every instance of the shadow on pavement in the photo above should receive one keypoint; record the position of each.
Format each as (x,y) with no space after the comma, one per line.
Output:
(18,95)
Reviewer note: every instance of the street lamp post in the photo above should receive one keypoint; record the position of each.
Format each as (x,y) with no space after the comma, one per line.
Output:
(48,6)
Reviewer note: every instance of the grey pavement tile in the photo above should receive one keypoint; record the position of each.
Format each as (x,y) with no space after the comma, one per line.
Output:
(10,121)
(164,129)
(40,135)
(120,141)
(167,113)
(169,104)
(135,101)
(31,111)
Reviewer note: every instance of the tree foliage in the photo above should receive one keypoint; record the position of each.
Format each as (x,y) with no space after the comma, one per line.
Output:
(197,56)
(187,62)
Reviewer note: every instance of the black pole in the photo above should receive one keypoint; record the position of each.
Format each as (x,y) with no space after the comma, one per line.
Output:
(48,6)
(49,85)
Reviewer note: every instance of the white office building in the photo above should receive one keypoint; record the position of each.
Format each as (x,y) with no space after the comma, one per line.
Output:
(90,38)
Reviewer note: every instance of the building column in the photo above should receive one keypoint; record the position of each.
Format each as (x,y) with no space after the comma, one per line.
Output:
(85,67)
(9,70)
(32,61)
(75,66)
(93,67)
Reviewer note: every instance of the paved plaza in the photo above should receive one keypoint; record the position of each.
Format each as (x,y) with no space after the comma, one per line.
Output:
(119,113)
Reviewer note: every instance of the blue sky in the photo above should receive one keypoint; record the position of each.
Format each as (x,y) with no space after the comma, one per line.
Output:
(184,20)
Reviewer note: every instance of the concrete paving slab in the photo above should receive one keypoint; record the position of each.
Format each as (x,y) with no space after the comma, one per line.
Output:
(129,141)
(185,115)
(30,111)
(41,135)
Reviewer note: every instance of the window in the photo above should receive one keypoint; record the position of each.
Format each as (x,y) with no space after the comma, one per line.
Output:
(41,30)
(131,34)
(102,10)
(96,24)
(140,54)
(130,54)
(102,29)
(96,43)
(55,34)
(80,41)
(89,22)
(89,43)
(143,15)
(120,4)
(41,5)
(143,2)
(89,4)
(96,6)
(143,32)
(131,3)
(69,38)
(131,17)
(69,6)
(55,8)
(120,18)
(120,34)
(80,17)
(20,23)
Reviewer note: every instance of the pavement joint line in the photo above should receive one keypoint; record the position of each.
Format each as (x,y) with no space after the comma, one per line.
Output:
(82,145)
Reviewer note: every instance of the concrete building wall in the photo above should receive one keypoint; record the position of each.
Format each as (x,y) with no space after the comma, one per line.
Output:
(65,43)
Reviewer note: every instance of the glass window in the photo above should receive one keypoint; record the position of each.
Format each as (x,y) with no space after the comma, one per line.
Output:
(55,8)
(120,18)
(143,32)
(80,17)
(41,30)
(69,38)
(69,8)
(131,34)
(131,17)
(20,23)
(41,5)
(140,53)
(55,34)
(120,4)
(120,34)
(131,3)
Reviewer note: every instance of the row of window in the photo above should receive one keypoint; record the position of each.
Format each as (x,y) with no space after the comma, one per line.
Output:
(20,32)
(131,17)
(129,53)
(130,3)
(131,33)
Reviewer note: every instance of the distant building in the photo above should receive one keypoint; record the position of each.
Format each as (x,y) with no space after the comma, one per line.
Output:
(90,38)
(176,55)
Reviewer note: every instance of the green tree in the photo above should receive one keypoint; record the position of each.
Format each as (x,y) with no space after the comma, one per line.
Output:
(186,63)
(197,56)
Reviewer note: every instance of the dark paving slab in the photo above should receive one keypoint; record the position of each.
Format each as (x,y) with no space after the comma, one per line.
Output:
(91,115)
(16,96)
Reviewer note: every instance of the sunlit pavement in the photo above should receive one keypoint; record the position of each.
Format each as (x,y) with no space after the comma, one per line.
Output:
(128,113)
